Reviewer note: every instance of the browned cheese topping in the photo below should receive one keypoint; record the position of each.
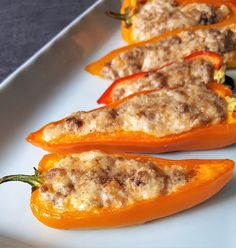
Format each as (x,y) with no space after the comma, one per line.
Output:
(158,16)
(154,55)
(160,113)
(178,74)
(94,180)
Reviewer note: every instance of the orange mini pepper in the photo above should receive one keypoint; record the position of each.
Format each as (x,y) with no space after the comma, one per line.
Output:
(201,138)
(129,9)
(208,177)
(107,96)
(97,67)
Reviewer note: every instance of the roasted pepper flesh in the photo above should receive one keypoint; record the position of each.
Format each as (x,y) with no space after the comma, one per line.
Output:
(203,178)
(130,9)
(162,50)
(200,138)
(166,76)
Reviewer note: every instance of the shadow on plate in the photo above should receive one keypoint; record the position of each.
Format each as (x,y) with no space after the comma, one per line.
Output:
(31,88)
(9,242)
(224,196)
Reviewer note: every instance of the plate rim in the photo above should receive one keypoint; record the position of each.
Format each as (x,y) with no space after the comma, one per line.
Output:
(10,78)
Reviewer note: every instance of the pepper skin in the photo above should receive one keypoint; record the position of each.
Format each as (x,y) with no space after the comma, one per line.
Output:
(213,58)
(129,8)
(209,177)
(201,138)
(96,68)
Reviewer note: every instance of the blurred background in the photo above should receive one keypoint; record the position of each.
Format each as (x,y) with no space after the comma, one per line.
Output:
(27,25)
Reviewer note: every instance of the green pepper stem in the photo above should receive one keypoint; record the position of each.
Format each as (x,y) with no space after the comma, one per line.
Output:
(33,180)
(126,17)
(118,16)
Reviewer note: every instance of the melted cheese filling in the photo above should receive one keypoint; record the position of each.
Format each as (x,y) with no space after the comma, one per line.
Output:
(185,72)
(95,180)
(154,55)
(159,16)
(160,113)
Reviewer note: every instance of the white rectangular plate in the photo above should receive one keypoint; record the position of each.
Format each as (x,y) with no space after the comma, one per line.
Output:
(53,84)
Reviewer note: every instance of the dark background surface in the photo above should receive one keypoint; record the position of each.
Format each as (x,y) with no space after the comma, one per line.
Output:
(27,25)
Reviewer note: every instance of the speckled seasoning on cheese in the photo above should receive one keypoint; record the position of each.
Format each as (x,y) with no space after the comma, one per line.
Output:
(154,55)
(178,74)
(95,180)
(158,16)
(161,113)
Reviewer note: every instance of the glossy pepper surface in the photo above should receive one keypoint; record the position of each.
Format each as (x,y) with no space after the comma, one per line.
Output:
(208,177)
